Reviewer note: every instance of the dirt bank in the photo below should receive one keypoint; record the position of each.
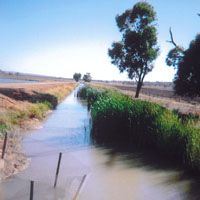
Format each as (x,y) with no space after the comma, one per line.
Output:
(161,96)
(22,107)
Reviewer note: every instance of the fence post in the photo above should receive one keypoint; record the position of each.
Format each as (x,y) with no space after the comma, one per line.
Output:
(31,190)
(57,170)
(4,145)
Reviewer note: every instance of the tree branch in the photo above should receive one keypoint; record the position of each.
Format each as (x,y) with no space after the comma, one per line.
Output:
(172,39)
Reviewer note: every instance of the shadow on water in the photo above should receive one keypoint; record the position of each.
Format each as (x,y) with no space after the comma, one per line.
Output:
(159,176)
(154,162)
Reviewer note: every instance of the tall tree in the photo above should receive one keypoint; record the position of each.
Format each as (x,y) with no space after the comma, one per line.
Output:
(138,48)
(187,79)
(77,76)
(187,63)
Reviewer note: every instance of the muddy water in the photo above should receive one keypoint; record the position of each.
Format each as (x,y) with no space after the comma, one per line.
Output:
(110,175)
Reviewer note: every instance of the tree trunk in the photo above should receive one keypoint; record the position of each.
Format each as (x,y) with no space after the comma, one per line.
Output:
(139,86)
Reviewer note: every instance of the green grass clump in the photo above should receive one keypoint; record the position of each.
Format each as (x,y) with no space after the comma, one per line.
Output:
(119,119)
(14,118)
(3,128)
(38,110)
(91,94)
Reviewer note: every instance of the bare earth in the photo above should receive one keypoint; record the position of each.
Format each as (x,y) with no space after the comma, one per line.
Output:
(162,96)
(17,96)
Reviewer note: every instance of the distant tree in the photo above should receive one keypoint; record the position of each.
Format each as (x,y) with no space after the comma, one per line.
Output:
(77,77)
(187,63)
(87,77)
(138,48)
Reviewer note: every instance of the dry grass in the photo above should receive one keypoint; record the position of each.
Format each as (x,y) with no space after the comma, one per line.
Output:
(20,110)
(162,97)
(20,102)
(54,88)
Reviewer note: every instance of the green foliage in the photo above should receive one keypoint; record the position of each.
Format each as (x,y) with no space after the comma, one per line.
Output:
(91,94)
(187,78)
(13,118)
(138,48)
(3,128)
(77,76)
(39,110)
(119,119)
(87,77)
(175,56)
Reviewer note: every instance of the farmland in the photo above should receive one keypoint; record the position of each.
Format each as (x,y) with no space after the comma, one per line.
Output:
(157,92)
(17,76)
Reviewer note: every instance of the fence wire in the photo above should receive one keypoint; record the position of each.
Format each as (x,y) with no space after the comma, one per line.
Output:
(70,131)
(42,170)
(43,157)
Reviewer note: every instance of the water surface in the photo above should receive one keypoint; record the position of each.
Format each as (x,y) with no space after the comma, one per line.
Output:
(110,174)
(7,80)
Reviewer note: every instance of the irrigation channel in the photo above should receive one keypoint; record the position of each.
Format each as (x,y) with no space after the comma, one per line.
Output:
(88,172)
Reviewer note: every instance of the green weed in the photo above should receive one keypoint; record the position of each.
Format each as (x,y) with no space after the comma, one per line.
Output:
(119,119)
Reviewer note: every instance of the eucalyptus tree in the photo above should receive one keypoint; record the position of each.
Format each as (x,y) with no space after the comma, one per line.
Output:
(187,63)
(138,48)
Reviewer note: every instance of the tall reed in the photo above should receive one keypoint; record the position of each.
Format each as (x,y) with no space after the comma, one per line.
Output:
(119,119)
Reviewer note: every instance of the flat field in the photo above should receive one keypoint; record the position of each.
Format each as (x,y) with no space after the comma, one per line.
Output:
(159,94)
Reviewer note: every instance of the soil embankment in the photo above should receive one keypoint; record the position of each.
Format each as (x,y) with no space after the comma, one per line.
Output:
(23,106)
(162,96)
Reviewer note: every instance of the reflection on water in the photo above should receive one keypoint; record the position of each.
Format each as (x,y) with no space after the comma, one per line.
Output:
(67,127)
(116,175)
(112,174)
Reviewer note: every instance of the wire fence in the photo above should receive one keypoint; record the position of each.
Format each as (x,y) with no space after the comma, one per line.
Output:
(47,177)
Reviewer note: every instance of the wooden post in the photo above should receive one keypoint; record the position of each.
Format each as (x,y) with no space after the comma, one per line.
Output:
(57,170)
(4,145)
(31,190)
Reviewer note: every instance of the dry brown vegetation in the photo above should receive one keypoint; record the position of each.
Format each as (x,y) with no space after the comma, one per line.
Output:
(22,106)
(19,95)
(161,96)
(18,76)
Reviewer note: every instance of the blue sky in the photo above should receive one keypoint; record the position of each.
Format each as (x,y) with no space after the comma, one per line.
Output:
(60,37)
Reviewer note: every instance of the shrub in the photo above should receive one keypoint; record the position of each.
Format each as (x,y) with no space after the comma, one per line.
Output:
(119,119)
(90,94)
